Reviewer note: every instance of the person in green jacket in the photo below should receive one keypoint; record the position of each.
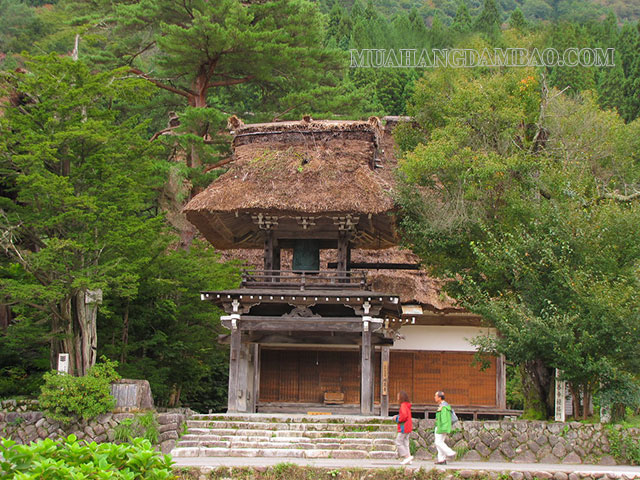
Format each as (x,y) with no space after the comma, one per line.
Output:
(443,426)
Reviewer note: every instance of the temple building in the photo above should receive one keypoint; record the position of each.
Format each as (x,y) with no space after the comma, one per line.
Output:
(331,315)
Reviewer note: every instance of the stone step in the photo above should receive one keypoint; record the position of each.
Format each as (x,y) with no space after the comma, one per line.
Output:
(295,418)
(295,436)
(241,444)
(194,437)
(330,427)
(289,434)
(275,452)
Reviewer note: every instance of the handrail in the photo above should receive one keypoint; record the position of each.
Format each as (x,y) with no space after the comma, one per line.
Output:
(305,279)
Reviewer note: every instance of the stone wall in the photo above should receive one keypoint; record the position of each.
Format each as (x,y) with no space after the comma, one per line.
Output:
(522,441)
(20,405)
(26,427)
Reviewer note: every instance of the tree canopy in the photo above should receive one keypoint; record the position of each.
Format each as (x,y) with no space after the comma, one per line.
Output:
(530,203)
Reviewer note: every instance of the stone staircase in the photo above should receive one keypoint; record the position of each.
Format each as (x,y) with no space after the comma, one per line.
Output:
(285,435)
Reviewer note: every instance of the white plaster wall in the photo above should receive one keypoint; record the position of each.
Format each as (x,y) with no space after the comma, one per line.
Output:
(437,337)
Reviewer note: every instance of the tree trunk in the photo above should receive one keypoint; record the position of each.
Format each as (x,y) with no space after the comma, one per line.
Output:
(174,398)
(537,387)
(86,335)
(575,400)
(62,335)
(125,334)
(5,317)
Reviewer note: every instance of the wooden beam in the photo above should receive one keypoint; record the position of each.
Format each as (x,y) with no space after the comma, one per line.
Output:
(384,382)
(301,324)
(377,266)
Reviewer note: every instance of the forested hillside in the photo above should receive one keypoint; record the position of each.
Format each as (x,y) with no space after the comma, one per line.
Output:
(550,10)
(113,115)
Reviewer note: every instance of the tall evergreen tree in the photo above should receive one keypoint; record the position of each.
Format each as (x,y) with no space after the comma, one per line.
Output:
(84,184)
(462,22)
(517,20)
(488,21)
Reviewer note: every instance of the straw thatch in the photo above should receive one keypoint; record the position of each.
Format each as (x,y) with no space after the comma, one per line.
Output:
(314,167)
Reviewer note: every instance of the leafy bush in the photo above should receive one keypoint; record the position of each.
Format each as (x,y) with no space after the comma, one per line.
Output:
(64,396)
(624,444)
(141,426)
(52,460)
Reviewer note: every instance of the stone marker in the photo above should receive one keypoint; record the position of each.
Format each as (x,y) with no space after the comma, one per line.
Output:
(132,395)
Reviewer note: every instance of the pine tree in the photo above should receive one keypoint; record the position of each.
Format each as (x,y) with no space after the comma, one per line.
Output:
(517,20)
(630,109)
(462,21)
(489,19)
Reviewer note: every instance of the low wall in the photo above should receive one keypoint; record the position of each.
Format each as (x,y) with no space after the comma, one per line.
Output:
(523,441)
(26,427)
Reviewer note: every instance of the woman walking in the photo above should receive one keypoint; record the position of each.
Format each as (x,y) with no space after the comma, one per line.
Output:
(405,426)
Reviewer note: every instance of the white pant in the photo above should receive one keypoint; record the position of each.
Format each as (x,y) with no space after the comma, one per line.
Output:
(402,442)
(443,449)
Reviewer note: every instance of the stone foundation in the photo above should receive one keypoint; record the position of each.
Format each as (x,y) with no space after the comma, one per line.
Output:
(522,441)
(26,427)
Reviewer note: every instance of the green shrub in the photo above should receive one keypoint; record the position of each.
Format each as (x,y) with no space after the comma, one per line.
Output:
(64,396)
(53,460)
(140,426)
(624,444)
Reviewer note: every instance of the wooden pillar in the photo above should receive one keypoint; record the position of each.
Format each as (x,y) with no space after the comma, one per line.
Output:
(234,370)
(245,379)
(268,250)
(384,382)
(344,252)
(501,382)
(367,371)
(256,378)
(271,252)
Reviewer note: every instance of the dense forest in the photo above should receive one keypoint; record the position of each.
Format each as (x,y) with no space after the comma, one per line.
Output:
(113,115)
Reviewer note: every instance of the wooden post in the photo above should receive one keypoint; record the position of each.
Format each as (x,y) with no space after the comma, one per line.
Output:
(268,250)
(256,378)
(384,382)
(367,373)
(234,364)
(271,253)
(244,379)
(501,383)
(344,252)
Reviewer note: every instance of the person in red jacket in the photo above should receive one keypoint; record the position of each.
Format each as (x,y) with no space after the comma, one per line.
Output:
(405,426)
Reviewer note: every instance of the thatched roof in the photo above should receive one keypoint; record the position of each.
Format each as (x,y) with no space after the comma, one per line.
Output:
(288,170)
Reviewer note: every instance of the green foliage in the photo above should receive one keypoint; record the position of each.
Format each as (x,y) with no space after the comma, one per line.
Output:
(624,444)
(67,458)
(180,358)
(515,397)
(81,178)
(413,446)
(620,393)
(65,397)
(536,234)
(24,357)
(140,426)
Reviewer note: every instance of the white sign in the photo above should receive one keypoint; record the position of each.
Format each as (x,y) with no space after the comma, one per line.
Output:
(561,389)
(63,362)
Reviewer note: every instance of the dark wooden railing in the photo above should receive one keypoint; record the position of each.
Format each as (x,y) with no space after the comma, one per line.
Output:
(305,280)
